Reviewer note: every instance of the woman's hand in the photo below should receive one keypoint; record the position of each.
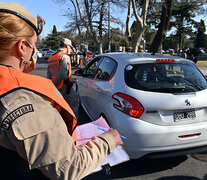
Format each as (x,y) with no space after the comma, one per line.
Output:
(116,136)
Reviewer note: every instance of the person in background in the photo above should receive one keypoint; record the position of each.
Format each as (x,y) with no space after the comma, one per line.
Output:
(72,54)
(172,52)
(184,54)
(37,126)
(60,72)
(84,57)
(77,57)
(59,67)
(141,49)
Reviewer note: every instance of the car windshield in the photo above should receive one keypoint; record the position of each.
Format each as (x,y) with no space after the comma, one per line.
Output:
(165,77)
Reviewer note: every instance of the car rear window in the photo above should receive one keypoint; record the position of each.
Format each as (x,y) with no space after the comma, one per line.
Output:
(165,77)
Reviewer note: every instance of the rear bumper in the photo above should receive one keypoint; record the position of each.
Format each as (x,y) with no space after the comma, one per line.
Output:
(199,149)
(145,138)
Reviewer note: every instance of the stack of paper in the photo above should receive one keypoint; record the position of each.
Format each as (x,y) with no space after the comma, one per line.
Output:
(85,132)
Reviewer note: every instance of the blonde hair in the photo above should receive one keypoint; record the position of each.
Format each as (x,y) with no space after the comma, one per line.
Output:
(12,29)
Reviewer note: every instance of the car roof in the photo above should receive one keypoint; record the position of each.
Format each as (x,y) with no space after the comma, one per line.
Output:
(140,57)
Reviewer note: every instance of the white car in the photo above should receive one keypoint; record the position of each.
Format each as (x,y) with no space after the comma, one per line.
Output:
(158,102)
(39,54)
(48,54)
(44,51)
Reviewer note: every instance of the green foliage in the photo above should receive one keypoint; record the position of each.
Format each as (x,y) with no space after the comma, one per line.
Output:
(183,19)
(54,31)
(149,36)
(169,43)
(200,41)
(52,40)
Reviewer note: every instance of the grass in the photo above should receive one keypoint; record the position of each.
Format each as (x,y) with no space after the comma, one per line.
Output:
(201,64)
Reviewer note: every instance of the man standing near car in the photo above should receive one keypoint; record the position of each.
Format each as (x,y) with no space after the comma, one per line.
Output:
(59,71)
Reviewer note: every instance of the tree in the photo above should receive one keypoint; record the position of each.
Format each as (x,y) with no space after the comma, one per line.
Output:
(139,24)
(181,23)
(163,26)
(201,37)
(53,40)
(182,18)
(90,17)
(149,36)
(118,39)
(169,42)
(54,31)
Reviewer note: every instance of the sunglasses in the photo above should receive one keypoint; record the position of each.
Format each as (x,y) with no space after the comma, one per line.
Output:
(40,22)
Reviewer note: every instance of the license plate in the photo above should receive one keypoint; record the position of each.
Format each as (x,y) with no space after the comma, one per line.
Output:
(184,115)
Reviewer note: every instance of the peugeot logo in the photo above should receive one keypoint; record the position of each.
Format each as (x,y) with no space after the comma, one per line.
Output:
(187,102)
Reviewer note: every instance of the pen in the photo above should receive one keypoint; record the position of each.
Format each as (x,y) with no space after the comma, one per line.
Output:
(105,130)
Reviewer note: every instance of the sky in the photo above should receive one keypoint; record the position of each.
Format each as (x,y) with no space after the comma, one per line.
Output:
(53,13)
(50,11)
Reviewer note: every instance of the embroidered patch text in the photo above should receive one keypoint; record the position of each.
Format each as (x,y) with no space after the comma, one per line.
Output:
(11,117)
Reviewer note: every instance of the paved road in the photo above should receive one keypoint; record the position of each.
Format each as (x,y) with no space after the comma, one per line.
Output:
(190,167)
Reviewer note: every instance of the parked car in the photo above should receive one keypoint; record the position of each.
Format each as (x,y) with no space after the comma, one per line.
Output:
(159,102)
(44,51)
(39,54)
(48,54)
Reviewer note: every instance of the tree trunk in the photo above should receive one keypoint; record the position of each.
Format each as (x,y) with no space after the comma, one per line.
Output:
(162,27)
(76,21)
(128,32)
(100,28)
(138,37)
(89,16)
(81,16)
(140,23)
(100,48)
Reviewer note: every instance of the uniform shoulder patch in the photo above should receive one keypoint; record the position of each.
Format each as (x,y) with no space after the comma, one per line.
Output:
(12,116)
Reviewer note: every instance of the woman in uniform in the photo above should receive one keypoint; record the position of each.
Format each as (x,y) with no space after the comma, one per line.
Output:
(37,126)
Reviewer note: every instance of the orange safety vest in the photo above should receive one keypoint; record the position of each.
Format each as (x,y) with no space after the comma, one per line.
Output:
(12,79)
(54,68)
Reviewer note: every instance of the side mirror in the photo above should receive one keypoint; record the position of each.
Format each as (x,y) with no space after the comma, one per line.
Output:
(79,72)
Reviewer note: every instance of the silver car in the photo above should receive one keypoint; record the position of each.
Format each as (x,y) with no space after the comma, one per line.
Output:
(48,54)
(158,102)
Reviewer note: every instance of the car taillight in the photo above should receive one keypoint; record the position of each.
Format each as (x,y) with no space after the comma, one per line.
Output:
(165,60)
(128,105)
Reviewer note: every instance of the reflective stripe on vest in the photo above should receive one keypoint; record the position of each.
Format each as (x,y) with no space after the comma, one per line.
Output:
(12,79)
(54,68)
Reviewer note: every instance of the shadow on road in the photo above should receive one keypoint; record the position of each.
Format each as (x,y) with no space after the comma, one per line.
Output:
(138,167)
(83,117)
(178,178)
